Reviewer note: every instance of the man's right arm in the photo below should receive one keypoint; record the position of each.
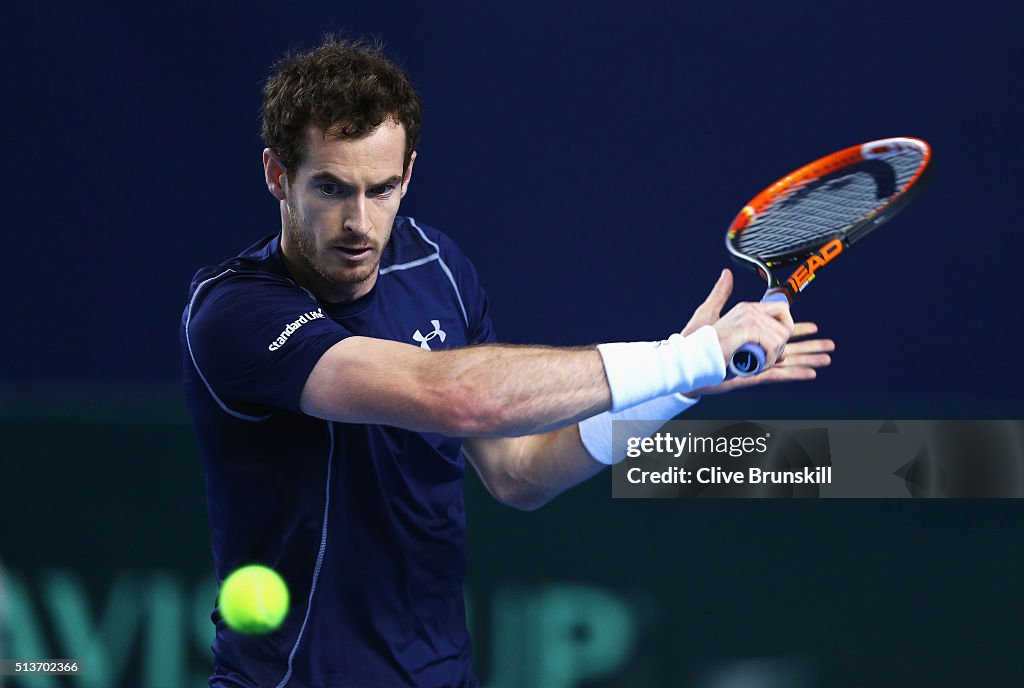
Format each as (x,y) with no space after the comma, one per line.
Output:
(479,391)
(508,391)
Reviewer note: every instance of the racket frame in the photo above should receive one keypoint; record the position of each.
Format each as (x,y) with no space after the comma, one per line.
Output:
(812,256)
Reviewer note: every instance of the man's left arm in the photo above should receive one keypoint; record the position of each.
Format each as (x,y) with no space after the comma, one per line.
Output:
(527,472)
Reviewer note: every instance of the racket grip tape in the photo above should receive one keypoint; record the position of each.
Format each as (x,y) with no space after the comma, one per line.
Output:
(750,358)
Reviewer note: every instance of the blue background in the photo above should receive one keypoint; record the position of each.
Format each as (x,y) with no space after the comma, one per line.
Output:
(587,157)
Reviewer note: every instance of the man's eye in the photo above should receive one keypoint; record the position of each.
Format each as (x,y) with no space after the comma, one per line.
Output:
(384,190)
(328,189)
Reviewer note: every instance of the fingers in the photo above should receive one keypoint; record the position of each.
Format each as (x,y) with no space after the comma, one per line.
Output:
(812,353)
(804,361)
(709,311)
(803,329)
(780,311)
(780,373)
(801,362)
(810,346)
(719,295)
(785,374)
(766,324)
(774,335)
(771,375)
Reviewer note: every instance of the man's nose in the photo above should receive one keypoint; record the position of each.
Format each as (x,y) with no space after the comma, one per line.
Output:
(357,219)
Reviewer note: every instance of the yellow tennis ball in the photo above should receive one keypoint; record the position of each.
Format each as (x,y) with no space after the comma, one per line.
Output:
(253,599)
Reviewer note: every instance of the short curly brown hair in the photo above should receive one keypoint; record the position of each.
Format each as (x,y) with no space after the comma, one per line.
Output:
(345,88)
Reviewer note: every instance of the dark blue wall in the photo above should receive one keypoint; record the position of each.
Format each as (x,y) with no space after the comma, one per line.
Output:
(588,158)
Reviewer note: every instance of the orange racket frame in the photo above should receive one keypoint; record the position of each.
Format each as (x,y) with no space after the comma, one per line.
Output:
(749,359)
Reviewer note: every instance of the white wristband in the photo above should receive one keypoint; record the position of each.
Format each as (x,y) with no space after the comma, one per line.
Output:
(641,371)
(596,432)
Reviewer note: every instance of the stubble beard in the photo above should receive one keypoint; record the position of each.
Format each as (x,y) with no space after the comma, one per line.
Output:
(321,265)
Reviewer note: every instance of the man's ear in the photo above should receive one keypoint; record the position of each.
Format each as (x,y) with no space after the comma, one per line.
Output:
(408,174)
(275,173)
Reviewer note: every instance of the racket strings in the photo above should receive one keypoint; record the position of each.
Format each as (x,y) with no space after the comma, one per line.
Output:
(812,211)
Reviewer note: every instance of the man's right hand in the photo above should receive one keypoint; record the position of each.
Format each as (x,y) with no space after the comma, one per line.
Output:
(767,324)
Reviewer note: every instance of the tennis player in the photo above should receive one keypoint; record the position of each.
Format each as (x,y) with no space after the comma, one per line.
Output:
(337,370)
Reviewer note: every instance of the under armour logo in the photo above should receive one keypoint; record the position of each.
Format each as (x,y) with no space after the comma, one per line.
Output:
(438,332)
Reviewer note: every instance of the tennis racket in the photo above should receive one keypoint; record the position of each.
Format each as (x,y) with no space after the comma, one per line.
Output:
(812,215)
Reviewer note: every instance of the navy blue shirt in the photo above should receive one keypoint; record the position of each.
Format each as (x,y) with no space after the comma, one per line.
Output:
(366,523)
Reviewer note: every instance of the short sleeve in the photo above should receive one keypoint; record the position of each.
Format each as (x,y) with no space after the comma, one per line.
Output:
(478,313)
(255,339)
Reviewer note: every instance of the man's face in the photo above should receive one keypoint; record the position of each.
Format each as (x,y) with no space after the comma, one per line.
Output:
(339,208)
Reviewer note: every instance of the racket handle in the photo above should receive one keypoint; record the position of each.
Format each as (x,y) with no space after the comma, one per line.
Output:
(749,359)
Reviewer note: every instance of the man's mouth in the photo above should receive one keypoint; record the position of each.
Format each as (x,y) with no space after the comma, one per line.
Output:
(355,252)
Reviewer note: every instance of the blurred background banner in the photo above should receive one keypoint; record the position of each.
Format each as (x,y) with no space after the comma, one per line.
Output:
(588,158)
